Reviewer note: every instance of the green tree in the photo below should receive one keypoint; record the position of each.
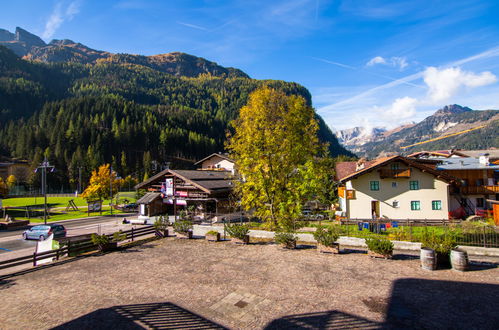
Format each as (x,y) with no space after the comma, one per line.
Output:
(274,145)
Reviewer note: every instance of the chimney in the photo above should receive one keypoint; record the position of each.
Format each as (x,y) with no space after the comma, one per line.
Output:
(484,159)
(361,163)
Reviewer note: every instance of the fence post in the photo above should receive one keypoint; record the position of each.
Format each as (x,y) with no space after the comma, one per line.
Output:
(484,237)
(132,234)
(34,259)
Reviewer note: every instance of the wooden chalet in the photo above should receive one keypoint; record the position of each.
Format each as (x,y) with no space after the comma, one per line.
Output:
(208,191)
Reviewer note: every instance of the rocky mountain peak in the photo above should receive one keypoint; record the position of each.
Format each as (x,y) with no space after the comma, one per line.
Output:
(29,38)
(451,109)
(6,35)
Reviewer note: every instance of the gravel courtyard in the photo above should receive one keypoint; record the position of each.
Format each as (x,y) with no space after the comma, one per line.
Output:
(174,283)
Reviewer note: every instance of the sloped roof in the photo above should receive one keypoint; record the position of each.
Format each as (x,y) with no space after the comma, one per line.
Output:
(376,163)
(439,153)
(223,156)
(148,198)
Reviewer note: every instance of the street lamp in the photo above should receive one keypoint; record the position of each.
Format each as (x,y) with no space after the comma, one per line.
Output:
(44,166)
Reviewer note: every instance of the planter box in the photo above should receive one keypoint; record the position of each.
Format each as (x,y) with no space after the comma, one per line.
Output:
(162,233)
(187,235)
(335,249)
(373,254)
(111,246)
(213,238)
(244,240)
(289,245)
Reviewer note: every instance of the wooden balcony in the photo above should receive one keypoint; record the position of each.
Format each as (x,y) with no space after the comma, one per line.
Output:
(387,173)
(479,190)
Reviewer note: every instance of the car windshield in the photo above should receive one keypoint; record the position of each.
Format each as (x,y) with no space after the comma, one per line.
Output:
(40,228)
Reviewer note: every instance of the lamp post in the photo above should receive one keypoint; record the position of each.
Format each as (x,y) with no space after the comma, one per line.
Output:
(111,189)
(44,166)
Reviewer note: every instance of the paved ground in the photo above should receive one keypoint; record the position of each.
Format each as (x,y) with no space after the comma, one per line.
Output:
(192,283)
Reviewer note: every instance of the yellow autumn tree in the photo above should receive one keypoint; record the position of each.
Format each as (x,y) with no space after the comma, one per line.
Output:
(274,145)
(4,189)
(11,181)
(100,184)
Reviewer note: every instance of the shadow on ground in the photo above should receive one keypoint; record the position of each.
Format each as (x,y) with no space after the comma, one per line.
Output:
(322,320)
(141,316)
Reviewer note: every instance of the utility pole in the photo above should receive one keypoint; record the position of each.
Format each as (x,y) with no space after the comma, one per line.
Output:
(79,179)
(111,189)
(44,166)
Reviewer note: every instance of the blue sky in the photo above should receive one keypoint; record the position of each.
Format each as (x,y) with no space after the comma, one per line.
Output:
(368,63)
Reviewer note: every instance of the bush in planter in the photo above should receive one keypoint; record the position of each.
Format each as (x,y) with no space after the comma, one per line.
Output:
(212,235)
(442,244)
(183,227)
(326,238)
(240,233)
(286,239)
(379,247)
(107,244)
(161,226)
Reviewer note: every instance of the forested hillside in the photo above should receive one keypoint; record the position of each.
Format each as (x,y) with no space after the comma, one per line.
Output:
(83,115)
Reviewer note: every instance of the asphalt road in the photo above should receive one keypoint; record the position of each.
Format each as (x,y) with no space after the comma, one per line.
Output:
(12,240)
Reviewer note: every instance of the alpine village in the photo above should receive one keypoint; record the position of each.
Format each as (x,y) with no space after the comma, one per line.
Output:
(170,192)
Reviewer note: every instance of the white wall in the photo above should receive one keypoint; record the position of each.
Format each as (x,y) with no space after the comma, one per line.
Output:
(217,162)
(430,189)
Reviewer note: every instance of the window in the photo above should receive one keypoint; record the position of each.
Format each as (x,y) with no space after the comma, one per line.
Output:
(415,206)
(436,205)
(374,185)
(414,185)
(395,166)
(395,204)
(394,184)
(480,202)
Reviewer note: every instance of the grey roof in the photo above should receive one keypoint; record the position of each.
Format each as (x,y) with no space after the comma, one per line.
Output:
(465,164)
(148,198)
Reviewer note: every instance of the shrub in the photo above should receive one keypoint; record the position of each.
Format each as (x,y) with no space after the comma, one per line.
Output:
(100,240)
(327,235)
(119,236)
(285,238)
(161,224)
(237,231)
(379,245)
(441,243)
(212,233)
(182,226)
(399,234)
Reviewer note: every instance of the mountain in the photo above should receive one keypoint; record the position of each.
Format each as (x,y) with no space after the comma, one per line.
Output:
(448,120)
(352,137)
(136,112)
(31,47)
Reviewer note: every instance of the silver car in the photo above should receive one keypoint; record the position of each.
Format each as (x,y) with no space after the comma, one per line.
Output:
(42,232)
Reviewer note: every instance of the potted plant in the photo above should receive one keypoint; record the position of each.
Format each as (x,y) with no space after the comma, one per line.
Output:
(442,244)
(326,239)
(239,234)
(212,236)
(183,228)
(105,243)
(286,240)
(161,226)
(379,247)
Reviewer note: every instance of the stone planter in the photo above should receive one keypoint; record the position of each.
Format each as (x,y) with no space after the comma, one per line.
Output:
(162,233)
(187,235)
(373,254)
(244,240)
(213,238)
(289,245)
(334,249)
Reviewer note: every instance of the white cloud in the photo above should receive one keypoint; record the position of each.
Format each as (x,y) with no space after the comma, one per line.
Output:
(376,60)
(445,83)
(58,17)
(401,109)
(395,61)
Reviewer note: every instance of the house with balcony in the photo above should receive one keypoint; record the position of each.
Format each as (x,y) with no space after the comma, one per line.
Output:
(393,187)
(217,162)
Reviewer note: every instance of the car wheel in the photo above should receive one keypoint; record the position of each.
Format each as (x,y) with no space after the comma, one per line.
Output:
(42,238)
(25,236)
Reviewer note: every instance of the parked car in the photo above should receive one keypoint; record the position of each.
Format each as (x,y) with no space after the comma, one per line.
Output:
(42,232)
(130,207)
(309,215)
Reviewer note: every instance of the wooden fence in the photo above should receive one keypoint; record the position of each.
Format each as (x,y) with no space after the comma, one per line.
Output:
(72,248)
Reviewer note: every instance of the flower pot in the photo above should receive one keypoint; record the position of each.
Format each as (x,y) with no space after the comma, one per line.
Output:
(244,240)
(335,248)
(373,254)
(162,233)
(428,259)
(288,245)
(111,246)
(459,260)
(213,238)
(187,235)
